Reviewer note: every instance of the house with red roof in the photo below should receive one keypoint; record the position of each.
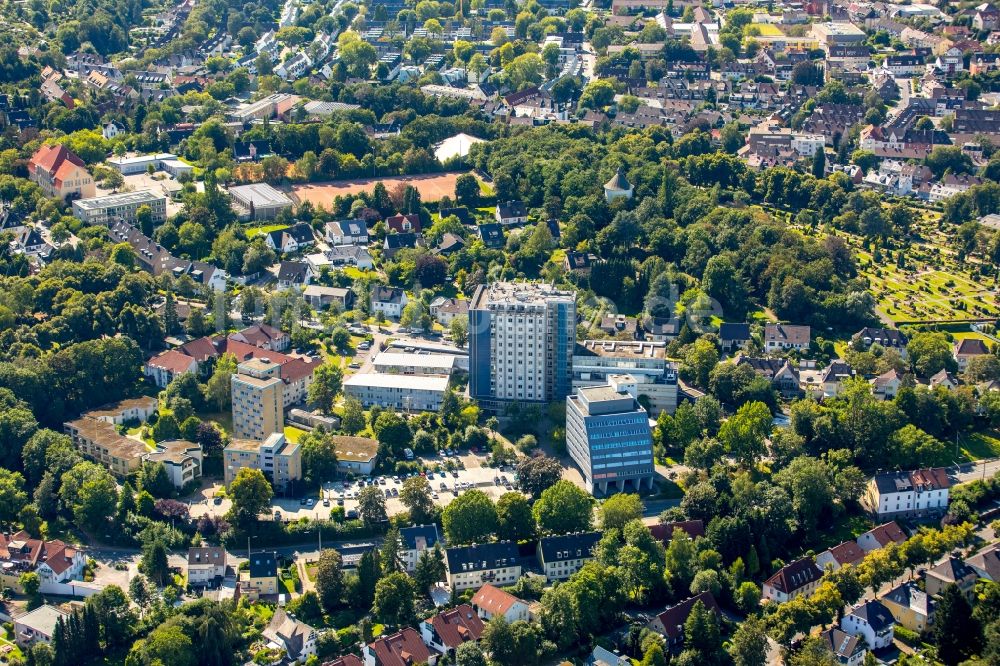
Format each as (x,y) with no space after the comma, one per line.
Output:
(346,660)
(53,561)
(881,536)
(404,648)
(264,336)
(61,173)
(446,631)
(165,366)
(403,223)
(840,555)
(490,601)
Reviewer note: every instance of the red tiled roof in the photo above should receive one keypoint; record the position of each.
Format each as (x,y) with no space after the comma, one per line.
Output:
(258,335)
(200,349)
(346,660)
(21,547)
(887,533)
(395,222)
(292,368)
(848,552)
(935,478)
(494,600)
(172,360)
(457,626)
(51,158)
(401,649)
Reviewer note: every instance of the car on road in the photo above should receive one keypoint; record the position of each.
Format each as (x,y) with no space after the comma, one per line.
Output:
(326,501)
(302,502)
(353,366)
(454,473)
(309,502)
(340,501)
(503,481)
(434,495)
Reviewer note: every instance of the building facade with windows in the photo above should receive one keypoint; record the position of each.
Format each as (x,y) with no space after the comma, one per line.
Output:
(472,566)
(121,207)
(257,395)
(277,457)
(521,341)
(609,438)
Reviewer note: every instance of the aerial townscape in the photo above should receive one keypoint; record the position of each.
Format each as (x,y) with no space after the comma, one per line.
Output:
(499,333)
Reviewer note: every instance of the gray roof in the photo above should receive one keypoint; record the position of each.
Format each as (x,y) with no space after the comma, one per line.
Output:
(409,536)
(482,557)
(875,614)
(568,546)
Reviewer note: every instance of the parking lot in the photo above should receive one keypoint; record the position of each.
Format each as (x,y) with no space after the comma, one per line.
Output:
(445,486)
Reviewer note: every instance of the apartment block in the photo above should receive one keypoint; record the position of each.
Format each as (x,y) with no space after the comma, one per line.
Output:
(257,399)
(521,341)
(121,207)
(404,393)
(472,566)
(609,438)
(278,458)
(914,493)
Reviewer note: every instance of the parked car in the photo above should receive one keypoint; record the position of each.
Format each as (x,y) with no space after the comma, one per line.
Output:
(309,502)
(326,501)
(352,514)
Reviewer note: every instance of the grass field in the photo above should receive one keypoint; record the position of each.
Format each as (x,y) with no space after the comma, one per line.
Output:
(293,434)
(980,445)
(264,229)
(767,30)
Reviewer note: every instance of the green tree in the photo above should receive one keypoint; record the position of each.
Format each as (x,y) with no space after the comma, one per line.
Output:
(597,94)
(469,654)
(319,456)
(96,501)
(470,518)
(218,390)
(13,497)
(326,384)
(394,599)
(251,496)
(352,416)
(30,584)
(563,508)
(416,497)
(330,578)
(930,352)
(955,631)
(154,562)
(371,506)
(514,519)
(748,646)
(744,433)
(620,509)
(535,474)
(429,569)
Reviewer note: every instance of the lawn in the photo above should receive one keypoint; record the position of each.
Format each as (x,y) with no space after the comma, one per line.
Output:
(767,30)
(980,445)
(264,229)
(222,419)
(293,434)
(355,273)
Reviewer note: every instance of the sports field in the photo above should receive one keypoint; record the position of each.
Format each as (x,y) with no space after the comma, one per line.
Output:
(431,187)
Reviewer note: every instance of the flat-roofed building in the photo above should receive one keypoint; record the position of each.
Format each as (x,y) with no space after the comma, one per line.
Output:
(96,436)
(121,207)
(609,438)
(258,201)
(404,363)
(181,459)
(257,399)
(38,626)
(277,457)
(355,455)
(407,393)
(141,164)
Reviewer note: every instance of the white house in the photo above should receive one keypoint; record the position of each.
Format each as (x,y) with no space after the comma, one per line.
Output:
(206,564)
(472,566)
(390,301)
(297,638)
(347,232)
(490,601)
(873,621)
(414,541)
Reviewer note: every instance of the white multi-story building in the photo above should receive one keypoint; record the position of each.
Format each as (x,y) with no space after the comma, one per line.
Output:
(414,541)
(563,555)
(916,493)
(521,340)
(120,207)
(405,393)
(871,620)
(478,564)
